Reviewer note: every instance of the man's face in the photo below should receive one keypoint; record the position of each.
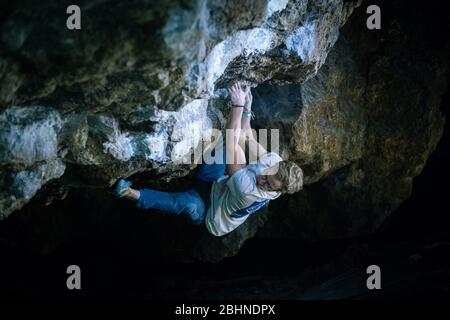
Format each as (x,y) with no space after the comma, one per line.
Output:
(268,182)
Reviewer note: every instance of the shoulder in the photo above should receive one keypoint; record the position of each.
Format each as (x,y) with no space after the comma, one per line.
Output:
(270,157)
(242,182)
(265,161)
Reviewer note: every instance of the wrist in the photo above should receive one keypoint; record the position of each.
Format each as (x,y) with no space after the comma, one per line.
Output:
(248,114)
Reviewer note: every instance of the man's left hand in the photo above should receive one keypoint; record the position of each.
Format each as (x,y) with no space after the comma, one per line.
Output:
(237,95)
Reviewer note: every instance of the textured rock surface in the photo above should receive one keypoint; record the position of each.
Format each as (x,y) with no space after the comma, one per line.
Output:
(369,121)
(362,128)
(130,91)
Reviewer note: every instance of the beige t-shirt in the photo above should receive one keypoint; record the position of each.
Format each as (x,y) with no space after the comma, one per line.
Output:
(234,198)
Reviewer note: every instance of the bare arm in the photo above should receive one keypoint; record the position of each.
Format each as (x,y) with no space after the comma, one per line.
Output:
(256,150)
(234,130)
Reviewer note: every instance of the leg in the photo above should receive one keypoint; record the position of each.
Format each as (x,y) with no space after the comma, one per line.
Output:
(187,203)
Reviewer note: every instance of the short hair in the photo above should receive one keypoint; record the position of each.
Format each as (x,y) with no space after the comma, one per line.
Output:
(291,176)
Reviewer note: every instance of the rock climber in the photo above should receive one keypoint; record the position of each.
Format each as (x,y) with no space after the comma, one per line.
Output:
(225,192)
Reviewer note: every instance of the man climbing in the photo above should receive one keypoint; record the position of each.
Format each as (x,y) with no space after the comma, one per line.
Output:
(227,191)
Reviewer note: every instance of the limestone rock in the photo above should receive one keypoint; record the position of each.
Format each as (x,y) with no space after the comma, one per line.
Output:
(134,92)
(134,89)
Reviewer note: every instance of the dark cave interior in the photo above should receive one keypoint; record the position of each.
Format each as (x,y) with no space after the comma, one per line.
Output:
(264,268)
(122,258)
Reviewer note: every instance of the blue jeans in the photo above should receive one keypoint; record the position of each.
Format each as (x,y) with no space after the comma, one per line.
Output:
(193,202)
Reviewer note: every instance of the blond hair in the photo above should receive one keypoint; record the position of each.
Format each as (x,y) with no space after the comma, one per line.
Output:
(291,176)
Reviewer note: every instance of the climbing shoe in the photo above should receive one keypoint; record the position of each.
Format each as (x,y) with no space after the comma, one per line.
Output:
(121,186)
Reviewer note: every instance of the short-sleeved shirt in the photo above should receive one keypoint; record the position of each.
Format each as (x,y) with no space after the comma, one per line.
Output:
(234,198)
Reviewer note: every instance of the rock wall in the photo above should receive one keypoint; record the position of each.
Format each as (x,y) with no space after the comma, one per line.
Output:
(361,118)
(131,90)
(368,123)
